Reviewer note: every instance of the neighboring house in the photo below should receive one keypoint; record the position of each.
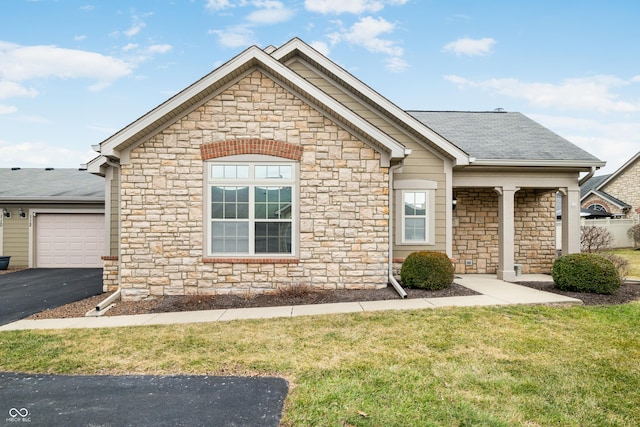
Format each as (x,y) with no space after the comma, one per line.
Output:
(52,217)
(280,168)
(617,194)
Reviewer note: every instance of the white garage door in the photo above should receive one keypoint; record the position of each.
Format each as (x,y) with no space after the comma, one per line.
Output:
(69,240)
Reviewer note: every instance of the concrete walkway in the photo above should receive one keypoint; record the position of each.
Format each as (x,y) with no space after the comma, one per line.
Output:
(493,292)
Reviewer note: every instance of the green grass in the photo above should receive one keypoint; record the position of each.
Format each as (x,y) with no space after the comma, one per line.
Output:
(633,257)
(505,366)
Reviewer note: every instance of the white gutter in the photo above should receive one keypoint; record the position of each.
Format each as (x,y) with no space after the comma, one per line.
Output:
(587,176)
(392,279)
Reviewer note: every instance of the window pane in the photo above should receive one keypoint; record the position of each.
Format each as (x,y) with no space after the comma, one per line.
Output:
(217,171)
(273,171)
(414,229)
(415,203)
(273,237)
(272,202)
(230,237)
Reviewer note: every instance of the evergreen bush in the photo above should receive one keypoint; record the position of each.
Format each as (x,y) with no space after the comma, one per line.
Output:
(427,270)
(586,272)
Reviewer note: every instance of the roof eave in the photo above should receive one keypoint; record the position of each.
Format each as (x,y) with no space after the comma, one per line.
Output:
(115,145)
(460,157)
(572,164)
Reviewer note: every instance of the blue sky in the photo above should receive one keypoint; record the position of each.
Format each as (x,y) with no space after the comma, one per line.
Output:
(74,72)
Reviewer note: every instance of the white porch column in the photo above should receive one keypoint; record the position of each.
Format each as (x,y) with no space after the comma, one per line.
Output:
(570,220)
(506,233)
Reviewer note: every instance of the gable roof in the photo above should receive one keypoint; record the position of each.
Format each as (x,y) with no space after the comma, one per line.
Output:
(117,146)
(296,48)
(505,138)
(50,185)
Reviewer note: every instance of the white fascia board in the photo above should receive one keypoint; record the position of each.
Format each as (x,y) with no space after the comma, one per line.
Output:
(461,158)
(396,149)
(538,163)
(109,147)
(97,165)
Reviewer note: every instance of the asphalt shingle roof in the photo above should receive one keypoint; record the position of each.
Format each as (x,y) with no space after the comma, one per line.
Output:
(592,184)
(55,184)
(498,135)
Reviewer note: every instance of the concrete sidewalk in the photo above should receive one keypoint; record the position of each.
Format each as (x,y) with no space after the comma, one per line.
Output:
(493,292)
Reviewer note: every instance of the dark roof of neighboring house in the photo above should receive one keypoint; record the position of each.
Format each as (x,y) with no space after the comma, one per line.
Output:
(499,135)
(592,184)
(50,185)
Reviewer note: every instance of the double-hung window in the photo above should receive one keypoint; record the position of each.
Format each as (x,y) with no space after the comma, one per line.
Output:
(252,208)
(415,207)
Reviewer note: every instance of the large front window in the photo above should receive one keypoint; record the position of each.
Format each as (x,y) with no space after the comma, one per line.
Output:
(252,208)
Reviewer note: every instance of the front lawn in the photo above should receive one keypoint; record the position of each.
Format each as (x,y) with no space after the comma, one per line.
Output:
(505,366)
(633,257)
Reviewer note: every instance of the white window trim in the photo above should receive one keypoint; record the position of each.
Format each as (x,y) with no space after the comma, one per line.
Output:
(412,186)
(252,159)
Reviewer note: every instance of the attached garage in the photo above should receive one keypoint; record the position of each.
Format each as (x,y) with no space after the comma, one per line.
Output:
(52,218)
(69,240)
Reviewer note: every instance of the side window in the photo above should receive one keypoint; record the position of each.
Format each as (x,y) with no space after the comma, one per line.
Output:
(252,208)
(415,212)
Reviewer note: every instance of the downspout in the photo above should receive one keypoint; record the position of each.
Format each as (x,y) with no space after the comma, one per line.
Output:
(116,296)
(392,279)
(587,176)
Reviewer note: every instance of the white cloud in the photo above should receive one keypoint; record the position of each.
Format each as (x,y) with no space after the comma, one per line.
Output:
(591,93)
(39,154)
(614,142)
(396,64)
(130,46)
(321,47)
(470,47)
(10,89)
(159,48)
(273,12)
(234,37)
(218,4)
(23,63)
(7,109)
(135,28)
(344,6)
(79,38)
(267,12)
(367,33)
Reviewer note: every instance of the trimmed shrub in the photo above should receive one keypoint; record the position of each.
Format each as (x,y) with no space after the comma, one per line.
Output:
(427,270)
(586,273)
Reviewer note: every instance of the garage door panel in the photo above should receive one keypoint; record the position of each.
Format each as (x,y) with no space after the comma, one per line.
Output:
(69,240)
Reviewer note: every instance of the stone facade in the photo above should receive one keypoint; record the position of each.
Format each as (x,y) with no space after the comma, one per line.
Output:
(475,231)
(109,273)
(343,208)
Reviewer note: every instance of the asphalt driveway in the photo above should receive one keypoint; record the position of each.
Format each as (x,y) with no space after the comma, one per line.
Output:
(26,292)
(140,400)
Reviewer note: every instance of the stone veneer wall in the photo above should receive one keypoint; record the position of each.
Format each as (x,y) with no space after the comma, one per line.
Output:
(475,231)
(343,224)
(109,273)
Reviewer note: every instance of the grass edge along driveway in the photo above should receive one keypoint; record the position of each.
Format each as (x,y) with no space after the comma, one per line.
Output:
(503,366)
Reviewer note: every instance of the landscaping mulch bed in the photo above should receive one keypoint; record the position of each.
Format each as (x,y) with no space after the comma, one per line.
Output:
(630,291)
